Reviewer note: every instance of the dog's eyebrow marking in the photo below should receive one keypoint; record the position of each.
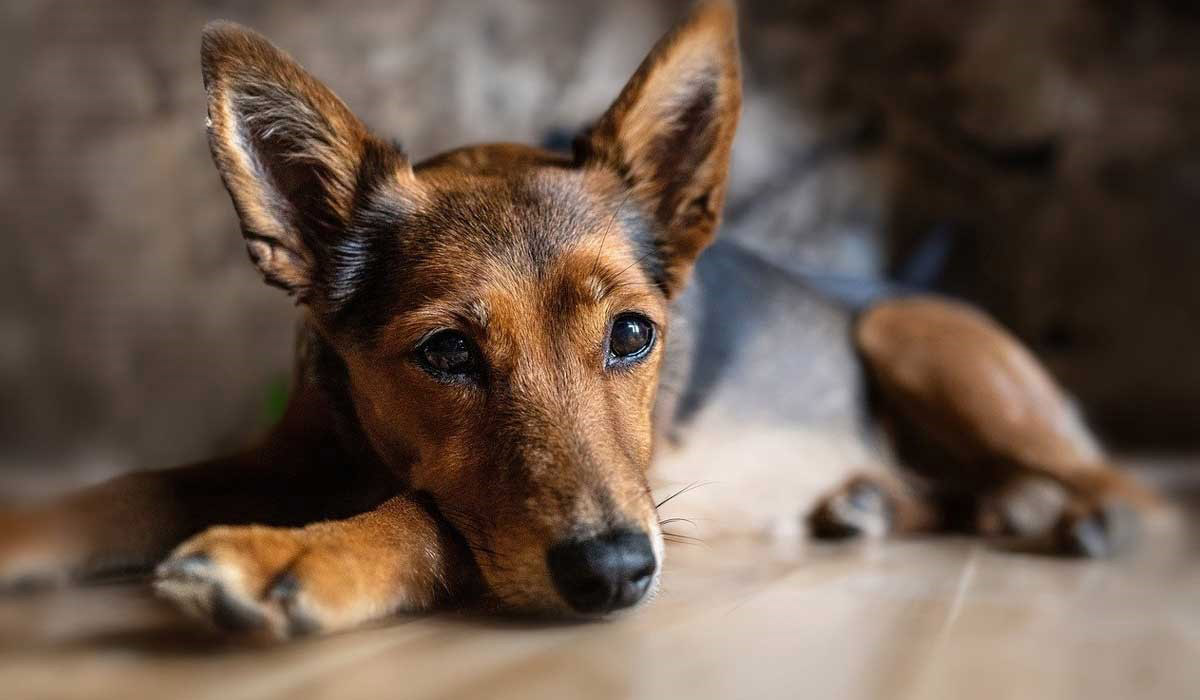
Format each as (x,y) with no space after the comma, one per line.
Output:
(477,312)
(444,313)
(595,287)
(608,280)
(572,292)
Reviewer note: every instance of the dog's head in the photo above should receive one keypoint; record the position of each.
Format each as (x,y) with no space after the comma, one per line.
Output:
(501,311)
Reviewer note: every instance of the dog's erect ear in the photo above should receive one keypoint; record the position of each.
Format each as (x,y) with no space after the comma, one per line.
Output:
(669,134)
(290,153)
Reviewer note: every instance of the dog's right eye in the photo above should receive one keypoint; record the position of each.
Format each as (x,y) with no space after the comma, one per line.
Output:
(448,354)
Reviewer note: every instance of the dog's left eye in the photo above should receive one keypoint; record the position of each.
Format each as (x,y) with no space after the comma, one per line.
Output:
(631,337)
(448,354)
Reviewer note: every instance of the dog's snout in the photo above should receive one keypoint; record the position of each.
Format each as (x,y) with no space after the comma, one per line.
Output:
(603,573)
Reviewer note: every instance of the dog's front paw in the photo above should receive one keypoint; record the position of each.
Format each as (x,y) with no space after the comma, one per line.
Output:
(227,575)
(282,583)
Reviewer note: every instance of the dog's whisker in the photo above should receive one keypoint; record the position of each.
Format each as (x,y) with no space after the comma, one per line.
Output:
(612,220)
(634,264)
(632,283)
(472,527)
(467,516)
(476,531)
(668,521)
(690,487)
(494,558)
(676,538)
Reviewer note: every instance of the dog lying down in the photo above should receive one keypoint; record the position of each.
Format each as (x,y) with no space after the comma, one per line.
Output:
(476,403)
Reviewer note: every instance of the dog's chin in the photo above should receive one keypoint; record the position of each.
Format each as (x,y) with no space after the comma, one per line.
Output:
(530,605)
(553,610)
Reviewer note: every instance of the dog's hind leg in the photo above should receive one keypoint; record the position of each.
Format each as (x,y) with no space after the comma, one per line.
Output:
(954,384)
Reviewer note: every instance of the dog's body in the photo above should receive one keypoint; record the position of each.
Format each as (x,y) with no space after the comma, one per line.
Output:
(477,394)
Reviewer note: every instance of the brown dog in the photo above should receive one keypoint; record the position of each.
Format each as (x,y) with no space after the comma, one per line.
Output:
(475,404)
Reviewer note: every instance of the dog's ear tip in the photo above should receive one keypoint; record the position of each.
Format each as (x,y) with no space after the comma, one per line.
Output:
(717,10)
(707,37)
(222,40)
(714,15)
(222,31)
(216,40)
(217,34)
(219,26)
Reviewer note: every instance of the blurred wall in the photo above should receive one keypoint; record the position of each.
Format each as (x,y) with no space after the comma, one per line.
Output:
(1058,141)
(1057,144)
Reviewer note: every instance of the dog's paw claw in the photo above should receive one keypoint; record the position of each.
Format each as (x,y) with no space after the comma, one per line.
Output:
(1097,532)
(286,593)
(861,507)
(192,567)
(233,614)
(285,588)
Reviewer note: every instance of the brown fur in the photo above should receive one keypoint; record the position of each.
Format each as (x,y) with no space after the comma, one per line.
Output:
(451,488)
(972,412)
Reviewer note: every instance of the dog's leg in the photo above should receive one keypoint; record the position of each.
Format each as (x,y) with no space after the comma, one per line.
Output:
(958,382)
(131,522)
(324,577)
(876,505)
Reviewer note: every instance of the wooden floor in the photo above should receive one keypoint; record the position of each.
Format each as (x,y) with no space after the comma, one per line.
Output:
(944,618)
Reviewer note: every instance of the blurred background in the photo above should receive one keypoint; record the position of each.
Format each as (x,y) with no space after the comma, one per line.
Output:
(1048,153)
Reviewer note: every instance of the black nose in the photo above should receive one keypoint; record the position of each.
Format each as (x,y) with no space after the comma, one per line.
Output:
(604,573)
